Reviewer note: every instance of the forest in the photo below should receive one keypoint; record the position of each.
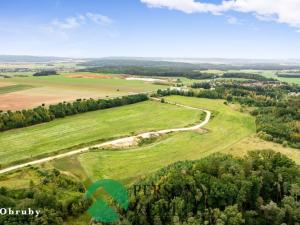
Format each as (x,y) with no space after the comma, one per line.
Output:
(57,196)
(263,188)
(10,120)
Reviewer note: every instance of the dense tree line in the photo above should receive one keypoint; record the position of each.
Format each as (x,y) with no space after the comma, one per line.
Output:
(204,85)
(57,196)
(213,94)
(288,75)
(208,64)
(23,118)
(250,76)
(153,71)
(45,73)
(280,123)
(277,115)
(261,189)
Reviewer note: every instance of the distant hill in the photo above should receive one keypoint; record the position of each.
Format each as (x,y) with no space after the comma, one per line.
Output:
(189,64)
(144,62)
(179,63)
(30,59)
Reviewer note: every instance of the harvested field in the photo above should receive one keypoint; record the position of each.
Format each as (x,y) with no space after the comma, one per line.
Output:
(146,79)
(92,76)
(54,89)
(5,84)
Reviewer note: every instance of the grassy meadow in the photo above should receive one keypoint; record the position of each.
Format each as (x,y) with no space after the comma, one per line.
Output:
(23,143)
(224,130)
(230,131)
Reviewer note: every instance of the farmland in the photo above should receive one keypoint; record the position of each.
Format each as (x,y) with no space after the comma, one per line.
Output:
(226,128)
(91,127)
(67,87)
(14,88)
(70,145)
(229,132)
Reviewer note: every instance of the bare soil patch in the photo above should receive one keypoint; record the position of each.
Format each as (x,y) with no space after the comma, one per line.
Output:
(5,84)
(38,96)
(93,76)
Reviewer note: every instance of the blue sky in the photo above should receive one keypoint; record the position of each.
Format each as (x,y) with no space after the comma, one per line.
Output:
(148,28)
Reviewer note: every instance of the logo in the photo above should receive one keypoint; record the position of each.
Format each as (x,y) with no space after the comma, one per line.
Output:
(100,210)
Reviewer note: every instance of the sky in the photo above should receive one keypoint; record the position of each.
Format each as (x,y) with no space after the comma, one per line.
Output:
(260,29)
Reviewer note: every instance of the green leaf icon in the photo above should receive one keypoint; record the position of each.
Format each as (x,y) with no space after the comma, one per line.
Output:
(100,210)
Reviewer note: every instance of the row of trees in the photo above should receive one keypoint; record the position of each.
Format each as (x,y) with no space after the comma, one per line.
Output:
(289,74)
(57,196)
(45,73)
(213,94)
(204,85)
(260,189)
(17,119)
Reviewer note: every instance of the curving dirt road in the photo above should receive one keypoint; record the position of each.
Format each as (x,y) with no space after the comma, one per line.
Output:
(121,142)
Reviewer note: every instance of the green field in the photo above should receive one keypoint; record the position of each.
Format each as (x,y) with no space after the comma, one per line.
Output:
(14,88)
(284,79)
(90,127)
(225,129)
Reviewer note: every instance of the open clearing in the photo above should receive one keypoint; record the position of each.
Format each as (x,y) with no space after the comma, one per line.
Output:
(225,129)
(54,89)
(90,127)
(252,143)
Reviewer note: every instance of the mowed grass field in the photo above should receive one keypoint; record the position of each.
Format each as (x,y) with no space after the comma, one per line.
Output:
(24,143)
(224,130)
(68,87)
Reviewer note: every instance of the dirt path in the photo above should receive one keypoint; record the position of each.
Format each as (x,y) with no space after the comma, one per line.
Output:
(121,142)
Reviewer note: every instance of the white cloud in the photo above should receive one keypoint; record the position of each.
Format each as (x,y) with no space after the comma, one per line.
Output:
(187,6)
(79,20)
(233,20)
(281,11)
(99,19)
(69,23)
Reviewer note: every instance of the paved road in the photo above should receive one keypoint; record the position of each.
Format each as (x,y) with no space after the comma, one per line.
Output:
(121,142)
